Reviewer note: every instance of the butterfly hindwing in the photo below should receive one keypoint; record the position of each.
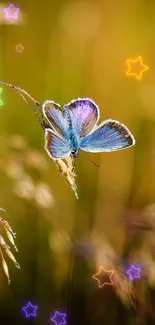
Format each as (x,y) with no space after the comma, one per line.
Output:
(111,135)
(84,114)
(56,117)
(56,146)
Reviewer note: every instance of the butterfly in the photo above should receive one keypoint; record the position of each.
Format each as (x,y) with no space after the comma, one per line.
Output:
(74,128)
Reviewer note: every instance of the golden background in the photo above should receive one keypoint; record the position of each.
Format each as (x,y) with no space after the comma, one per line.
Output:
(77,49)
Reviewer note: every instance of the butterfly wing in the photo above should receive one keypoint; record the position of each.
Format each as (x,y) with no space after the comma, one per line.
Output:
(111,135)
(56,117)
(84,114)
(56,146)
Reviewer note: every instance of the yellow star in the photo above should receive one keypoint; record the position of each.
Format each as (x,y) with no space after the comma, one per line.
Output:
(136,67)
(19,48)
(103,271)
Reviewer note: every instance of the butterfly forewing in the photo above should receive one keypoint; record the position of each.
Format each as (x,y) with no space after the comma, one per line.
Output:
(111,135)
(84,114)
(56,117)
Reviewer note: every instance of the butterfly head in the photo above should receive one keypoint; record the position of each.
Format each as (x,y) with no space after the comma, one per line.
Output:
(74,153)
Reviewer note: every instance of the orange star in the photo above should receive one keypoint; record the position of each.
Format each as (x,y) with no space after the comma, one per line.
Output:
(103,271)
(136,67)
(19,48)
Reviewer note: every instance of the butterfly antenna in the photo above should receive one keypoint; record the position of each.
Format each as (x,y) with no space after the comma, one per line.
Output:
(92,161)
(40,118)
(21,91)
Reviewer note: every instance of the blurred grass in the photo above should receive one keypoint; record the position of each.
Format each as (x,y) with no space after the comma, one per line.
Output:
(77,49)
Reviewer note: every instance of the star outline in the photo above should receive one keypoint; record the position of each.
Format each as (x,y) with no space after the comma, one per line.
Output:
(63,322)
(129,272)
(11,16)
(131,62)
(31,314)
(106,271)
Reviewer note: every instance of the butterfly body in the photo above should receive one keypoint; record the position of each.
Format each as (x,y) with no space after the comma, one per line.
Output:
(75,128)
(75,143)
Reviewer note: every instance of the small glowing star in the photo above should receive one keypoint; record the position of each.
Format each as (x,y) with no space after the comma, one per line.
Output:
(30,310)
(19,48)
(133,272)
(136,65)
(59,318)
(11,12)
(102,272)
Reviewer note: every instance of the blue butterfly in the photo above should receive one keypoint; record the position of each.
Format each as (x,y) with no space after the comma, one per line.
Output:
(75,128)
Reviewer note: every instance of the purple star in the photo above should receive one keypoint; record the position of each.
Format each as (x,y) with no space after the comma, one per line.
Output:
(11,12)
(133,272)
(30,310)
(59,318)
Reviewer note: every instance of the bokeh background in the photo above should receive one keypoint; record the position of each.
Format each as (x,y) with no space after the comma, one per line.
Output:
(79,49)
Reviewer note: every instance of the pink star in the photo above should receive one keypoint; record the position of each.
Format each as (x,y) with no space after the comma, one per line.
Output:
(11,12)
